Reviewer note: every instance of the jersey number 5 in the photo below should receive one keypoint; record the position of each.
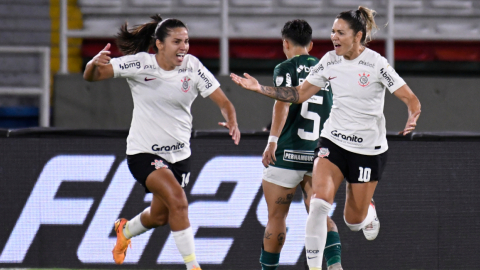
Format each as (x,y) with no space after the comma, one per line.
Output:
(306,135)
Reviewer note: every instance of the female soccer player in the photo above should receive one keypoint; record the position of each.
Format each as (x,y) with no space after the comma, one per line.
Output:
(163,86)
(288,157)
(353,142)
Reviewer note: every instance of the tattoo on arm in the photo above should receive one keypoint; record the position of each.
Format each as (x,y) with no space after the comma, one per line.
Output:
(267,235)
(287,94)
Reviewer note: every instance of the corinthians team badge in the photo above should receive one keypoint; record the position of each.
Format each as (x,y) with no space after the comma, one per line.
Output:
(185,84)
(363,81)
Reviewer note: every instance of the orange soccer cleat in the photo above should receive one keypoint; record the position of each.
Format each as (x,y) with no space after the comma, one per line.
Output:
(120,249)
(196,268)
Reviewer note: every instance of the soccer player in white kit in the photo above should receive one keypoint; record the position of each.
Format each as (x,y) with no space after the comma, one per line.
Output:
(353,144)
(164,86)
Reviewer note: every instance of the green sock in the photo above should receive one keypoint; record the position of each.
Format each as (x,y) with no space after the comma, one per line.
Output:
(269,261)
(333,248)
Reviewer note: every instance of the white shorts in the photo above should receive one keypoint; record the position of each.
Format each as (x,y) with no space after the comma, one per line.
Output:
(284,177)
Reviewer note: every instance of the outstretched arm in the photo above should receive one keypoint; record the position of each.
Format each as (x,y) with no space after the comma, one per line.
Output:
(288,94)
(405,94)
(228,112)
(99,68)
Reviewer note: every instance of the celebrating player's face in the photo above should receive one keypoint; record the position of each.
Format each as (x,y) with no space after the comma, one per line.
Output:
(174,47)
(342,37)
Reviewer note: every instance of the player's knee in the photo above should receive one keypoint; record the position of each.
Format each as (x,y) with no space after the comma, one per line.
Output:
(178,205)
(160,220)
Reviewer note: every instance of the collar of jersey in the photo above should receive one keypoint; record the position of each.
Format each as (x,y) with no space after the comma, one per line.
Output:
(356,59)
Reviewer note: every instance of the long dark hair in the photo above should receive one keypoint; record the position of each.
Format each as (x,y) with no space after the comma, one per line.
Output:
(297,31)
(361,19)
(141,37)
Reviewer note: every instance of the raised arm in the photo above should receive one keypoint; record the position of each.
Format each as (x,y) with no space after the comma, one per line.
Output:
(99,68)
(296,94)
(228,112)
(406,95)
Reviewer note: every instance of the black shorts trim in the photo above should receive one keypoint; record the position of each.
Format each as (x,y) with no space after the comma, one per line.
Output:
(356,168)
(143,164)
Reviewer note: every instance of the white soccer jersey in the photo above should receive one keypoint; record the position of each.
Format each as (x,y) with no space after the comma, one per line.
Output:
(356,122)
(162,121)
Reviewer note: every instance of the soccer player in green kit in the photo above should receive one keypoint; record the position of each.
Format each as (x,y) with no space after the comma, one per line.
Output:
(289,154)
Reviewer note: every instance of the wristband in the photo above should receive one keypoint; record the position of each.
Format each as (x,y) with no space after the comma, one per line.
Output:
(272,139)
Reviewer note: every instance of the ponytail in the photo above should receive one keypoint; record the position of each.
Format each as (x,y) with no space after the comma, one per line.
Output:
(371,26)
(142,37)
(362,20)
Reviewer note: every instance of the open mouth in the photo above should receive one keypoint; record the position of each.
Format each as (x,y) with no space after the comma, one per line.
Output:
(180,56)
(336,46)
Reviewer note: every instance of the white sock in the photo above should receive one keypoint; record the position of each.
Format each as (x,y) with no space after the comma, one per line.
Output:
(134,226)
(369,218)
(316,232)
(186,247)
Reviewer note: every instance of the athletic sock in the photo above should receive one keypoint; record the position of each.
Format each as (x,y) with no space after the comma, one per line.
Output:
(316,232)
(333,248)
(269,261)
(134,227)
(186,247)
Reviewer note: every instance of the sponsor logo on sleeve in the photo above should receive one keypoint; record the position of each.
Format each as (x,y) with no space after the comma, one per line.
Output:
(363,81)
(390,81)
(185,85)
(279,80)
(288,80)
(317,69)
(365,63)
(207,80)
(298,156)
(130,64)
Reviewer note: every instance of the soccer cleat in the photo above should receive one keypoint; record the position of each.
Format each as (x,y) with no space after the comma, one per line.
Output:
(120,249)
(196,268)
(371,230)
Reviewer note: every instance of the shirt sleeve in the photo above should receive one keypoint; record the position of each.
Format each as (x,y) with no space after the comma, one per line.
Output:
(206,83)
(281,76)
(316,75)
(127,66)
(388,76)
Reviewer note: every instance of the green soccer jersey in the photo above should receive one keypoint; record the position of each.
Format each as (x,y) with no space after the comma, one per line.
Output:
(304,122)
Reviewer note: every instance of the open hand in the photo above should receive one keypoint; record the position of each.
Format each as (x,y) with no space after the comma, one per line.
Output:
(411,123)
(232,130)
(249,82)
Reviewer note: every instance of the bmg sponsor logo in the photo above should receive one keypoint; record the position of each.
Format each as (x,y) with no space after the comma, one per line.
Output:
(167,148)
(130,64)
(387,77)
(350,138)
(207,81)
